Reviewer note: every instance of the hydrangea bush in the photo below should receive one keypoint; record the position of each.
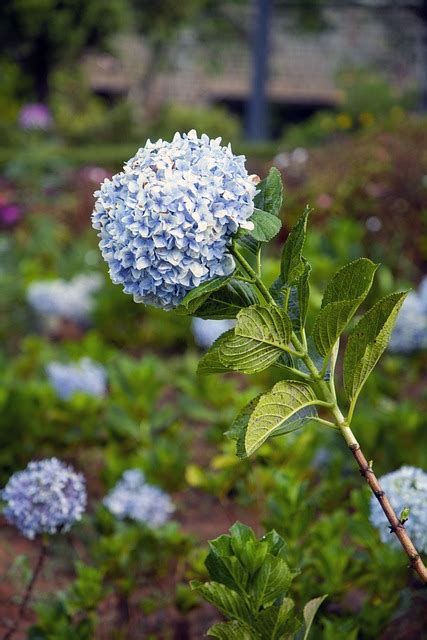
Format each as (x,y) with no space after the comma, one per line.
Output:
(47,497)
(183,226)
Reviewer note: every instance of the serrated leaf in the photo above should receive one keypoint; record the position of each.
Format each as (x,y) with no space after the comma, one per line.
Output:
(274,622)
(270,196)
(232,631)
(225,303)
(279,411)
(310,610)
(266,225)
(246,355)
(229,602)
(271,582)
(196,297)
(343,296)
(237,431)
(368,341)
(210,362)
(226,570)
(298,297)
(268,325)
(261,334)
(292,264)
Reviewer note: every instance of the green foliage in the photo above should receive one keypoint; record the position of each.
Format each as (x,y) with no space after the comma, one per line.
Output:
(71,614)
(368,342)
(343,295)
(55,32)
(250,580)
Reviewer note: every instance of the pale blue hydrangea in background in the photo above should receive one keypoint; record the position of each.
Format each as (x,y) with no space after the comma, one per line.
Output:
(46,497)
(410,331)
(71,299)
(85,376)
(406,487)
(207,331)
(133,498)
(166,221)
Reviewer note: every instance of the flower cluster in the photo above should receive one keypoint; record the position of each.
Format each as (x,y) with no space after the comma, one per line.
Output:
(410,331)
(133,498)
(207,331)
(85,376)
(47,497)
(406,487)
(166,221)
(35,116)
(71,299)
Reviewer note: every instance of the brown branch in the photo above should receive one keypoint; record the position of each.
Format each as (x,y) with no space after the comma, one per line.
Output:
(396,526)
(37,569)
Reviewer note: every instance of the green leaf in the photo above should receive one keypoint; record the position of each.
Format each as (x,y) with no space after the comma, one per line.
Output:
(270,194)
(232,631)
(282,410)
(229,602)
(343,295)
(210,362)
(310,611)
(268,325)
(261,334)
(368,341)
(266,225)
(237,431)
(196,297)
(274,622)
(225,303)
(293,265)
(271,582)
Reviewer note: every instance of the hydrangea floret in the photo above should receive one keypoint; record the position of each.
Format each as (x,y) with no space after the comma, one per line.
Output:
(46,497)
(85,376)
(71,299)
(166,221)
(406,488)
(133,498)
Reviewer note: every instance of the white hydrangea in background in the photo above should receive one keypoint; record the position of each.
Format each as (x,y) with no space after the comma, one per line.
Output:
(85,376)
(406,487)
(166,221)
(207,331)
(72,299)
(410,331)
(133,498)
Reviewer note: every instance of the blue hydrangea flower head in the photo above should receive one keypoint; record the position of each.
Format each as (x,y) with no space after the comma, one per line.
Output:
(133,498)
(166,221)
(406,487)
(85,376)
(46,497)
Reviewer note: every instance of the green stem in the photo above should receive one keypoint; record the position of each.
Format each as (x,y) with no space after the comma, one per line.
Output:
(253,275)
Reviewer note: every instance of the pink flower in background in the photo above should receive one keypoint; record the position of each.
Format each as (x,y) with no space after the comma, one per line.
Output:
(10,214)
(324,201)
(94,174)
(35,116)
